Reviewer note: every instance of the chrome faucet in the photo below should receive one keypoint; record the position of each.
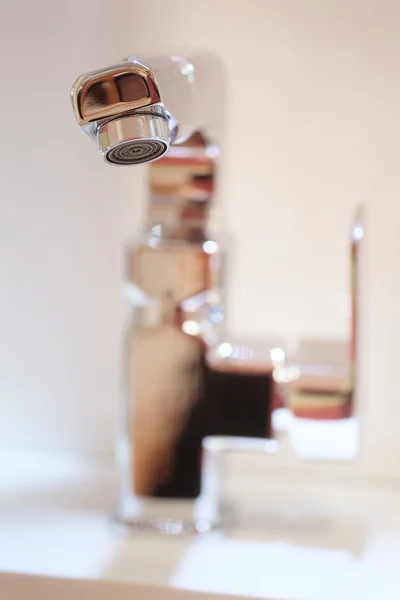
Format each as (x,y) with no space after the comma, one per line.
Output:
(176,394)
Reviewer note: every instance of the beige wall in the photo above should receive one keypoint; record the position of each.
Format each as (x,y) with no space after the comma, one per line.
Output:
(312,129)
(60,303)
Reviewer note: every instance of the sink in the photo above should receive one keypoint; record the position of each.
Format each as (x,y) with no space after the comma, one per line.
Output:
(289,539)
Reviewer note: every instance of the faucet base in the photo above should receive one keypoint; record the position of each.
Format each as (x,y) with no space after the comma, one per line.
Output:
(173,527)
(166,517)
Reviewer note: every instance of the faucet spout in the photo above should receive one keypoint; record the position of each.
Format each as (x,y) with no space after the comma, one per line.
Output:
(134,110)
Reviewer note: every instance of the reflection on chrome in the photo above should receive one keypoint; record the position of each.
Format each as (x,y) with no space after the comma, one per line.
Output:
(277,355)
(191,328)
(225,349)
(210,247)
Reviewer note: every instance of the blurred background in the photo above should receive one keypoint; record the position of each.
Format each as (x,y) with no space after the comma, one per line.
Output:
(312,132)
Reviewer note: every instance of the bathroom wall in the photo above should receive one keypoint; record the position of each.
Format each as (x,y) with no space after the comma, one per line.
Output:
(312,129)
(60,235)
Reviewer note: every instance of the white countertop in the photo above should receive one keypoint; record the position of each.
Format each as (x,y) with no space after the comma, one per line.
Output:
(293,541)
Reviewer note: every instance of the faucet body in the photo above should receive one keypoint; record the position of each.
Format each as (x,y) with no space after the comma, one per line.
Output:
(169,111)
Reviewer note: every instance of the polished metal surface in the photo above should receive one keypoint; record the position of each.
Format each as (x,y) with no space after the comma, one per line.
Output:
(120,108)
(177,391)
(321,376)
(134,139)
(171,279)
(322,386)
(109,92)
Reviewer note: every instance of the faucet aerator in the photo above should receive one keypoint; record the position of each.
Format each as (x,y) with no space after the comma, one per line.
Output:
(134,139)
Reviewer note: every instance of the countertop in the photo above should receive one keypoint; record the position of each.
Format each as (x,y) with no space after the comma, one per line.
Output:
(294,539)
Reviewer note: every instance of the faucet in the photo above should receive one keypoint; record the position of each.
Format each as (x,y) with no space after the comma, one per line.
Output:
(176,392)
